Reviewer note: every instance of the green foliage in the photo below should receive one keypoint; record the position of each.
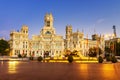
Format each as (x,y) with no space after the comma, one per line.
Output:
(108,58)
(107,50)
(100,51)
(19,56)
(70,58)
(94,51)
(4,47)
(100,59)
(92,54)
(40,58)
(113,59)
(118,49)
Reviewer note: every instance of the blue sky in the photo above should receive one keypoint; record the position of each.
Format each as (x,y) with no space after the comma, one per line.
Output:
(90,16)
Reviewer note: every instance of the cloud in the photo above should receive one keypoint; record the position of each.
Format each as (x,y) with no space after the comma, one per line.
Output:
(99,21)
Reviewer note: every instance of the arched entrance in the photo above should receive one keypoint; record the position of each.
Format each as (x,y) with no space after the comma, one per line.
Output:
(46,54)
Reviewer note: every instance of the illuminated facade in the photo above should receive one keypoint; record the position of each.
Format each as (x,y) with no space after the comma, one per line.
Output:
(48,42)
(19,42)
(76,41)
(112,44)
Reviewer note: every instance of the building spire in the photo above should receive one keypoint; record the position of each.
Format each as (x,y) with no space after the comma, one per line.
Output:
(114,31)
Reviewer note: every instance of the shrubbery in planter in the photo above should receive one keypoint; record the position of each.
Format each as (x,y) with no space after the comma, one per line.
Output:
(100,59)
(113,59)
(19,56)
(70,58)
(108,58)
(40,58)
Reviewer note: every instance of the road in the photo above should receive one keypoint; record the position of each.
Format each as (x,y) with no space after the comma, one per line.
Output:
(18,70)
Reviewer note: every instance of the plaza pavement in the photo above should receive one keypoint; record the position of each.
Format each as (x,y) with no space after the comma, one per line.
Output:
(29,70)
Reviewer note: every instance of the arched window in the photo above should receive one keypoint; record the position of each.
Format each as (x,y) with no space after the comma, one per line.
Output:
(48,32)
(48,23)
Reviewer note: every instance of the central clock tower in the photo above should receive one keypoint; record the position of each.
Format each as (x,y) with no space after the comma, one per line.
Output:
(48,20)
(48,25)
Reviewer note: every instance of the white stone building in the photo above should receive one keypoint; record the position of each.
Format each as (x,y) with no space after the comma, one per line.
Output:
(76,41)
(48,42)
(19,42)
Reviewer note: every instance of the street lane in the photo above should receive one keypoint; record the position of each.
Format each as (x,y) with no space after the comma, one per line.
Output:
(18,70)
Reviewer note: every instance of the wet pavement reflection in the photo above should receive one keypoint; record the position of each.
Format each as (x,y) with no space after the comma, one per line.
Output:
(12,67)
(18,70)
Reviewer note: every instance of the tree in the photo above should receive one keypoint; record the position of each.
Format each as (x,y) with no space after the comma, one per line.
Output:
(118,49)
(100,59)
(94,51)
(107,50)
(70,58)
(4,47)
(40,58)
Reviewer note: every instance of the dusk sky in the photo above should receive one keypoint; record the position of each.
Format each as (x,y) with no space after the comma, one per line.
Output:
(90,16)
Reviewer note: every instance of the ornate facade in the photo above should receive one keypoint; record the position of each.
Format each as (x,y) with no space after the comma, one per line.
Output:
(48,42)
(76,41)
(19,42)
